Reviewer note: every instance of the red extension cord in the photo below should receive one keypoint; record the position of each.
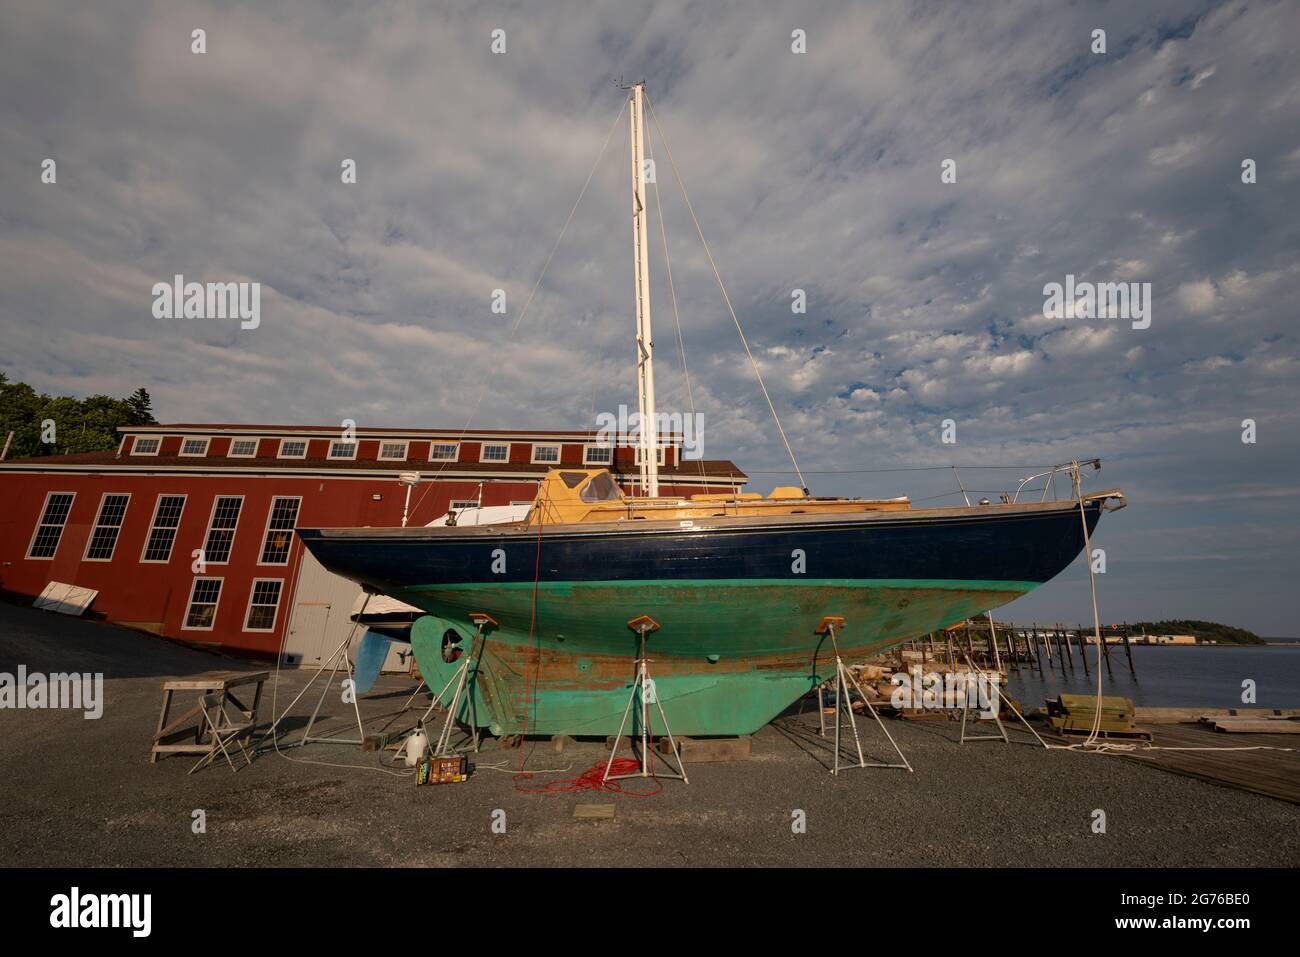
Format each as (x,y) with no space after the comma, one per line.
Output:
(593,778)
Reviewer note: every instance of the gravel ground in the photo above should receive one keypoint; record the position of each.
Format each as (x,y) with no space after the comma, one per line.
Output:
(75,792)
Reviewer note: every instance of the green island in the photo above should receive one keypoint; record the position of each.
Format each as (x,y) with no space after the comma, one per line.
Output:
(1202,630)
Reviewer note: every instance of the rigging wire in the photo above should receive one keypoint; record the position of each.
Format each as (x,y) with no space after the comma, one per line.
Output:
(901,468)
(543,510)
(727,299)
(536,285)
(672,291)
(604,306)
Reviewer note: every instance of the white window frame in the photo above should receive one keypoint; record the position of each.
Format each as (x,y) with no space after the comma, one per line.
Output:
(207,443)
(342,458)
(39,524)
(135,444)
(232,454)
(559,453)
(248,610)
(234,532)
(406,450)
(279,452)
(216,605)
(94,526)
(457,504)
(153,519)
(586,453)
(261,549)
(659,453)
(455,451)
(482,452)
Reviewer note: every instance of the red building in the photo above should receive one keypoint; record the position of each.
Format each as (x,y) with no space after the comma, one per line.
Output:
(187,530)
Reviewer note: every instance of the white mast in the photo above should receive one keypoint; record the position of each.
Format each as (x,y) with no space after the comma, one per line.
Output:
(648,444)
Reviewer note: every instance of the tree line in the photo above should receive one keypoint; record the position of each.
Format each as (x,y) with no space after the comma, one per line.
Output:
(1202,630)
(59,424)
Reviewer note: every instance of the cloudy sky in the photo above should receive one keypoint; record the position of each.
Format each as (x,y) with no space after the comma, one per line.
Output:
(817,171)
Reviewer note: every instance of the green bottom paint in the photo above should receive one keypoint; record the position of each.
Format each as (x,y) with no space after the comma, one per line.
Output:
(730,655)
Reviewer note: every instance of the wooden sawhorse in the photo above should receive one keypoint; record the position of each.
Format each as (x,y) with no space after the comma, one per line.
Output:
(211,682)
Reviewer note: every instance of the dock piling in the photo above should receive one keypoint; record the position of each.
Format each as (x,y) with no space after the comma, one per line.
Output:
(1129,652)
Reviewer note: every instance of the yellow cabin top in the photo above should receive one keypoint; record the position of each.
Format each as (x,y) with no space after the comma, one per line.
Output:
(571,495)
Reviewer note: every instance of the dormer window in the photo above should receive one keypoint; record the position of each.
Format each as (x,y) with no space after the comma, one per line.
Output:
(242,449)
(145,446)
(194,447)
(598,455)
(392,451)
(343,450)
(495,452)
(443,451)
(546,454)
(293,448)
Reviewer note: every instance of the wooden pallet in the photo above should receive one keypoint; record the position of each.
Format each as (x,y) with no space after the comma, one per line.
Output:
(1254,725)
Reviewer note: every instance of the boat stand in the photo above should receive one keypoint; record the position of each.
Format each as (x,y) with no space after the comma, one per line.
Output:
(443,748)
(644,686)
(341,652)
(821,708)
(965,708)
(843,678)
(1002,699)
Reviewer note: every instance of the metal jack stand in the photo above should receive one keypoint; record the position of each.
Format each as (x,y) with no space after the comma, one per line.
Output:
(965,707)
(483,620)
(644,686)
(821,709)
(333,664)
(1002,699)
(843,678)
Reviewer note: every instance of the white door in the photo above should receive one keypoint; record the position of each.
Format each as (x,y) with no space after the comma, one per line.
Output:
(322,614)
(309,631)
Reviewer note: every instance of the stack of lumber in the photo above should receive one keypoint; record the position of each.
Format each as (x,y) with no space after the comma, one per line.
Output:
(1206,715)
(1252,725)
(1075,714)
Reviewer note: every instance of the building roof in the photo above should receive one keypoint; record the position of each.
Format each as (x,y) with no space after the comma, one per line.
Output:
(93,461)
(210,428)
(167,442)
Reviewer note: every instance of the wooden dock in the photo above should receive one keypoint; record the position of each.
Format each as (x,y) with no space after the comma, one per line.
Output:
(1272,773)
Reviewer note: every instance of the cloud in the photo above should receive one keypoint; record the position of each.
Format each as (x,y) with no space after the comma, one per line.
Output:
(818,171)
(1176,153)
(1199,296)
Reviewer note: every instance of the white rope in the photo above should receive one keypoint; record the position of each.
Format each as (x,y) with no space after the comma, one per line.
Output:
(508,769)
(727,299)
(1122,747)
(1094,743)
(275,733)
(1095,734)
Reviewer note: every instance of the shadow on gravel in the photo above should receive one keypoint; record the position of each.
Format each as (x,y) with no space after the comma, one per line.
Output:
(48,642)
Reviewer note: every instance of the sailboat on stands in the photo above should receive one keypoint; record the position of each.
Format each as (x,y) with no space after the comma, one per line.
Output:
(737,583)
